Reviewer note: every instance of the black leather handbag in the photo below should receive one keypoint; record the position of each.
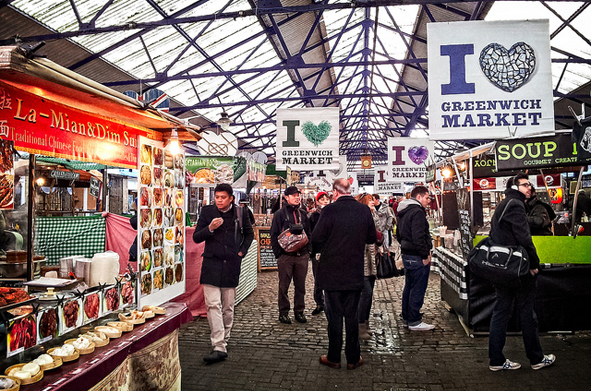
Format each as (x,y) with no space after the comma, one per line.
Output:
(499,264)
(386,267)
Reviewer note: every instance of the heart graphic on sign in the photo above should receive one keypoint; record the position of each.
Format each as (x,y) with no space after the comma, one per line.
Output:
(316,134)
(418,154)
(508,69)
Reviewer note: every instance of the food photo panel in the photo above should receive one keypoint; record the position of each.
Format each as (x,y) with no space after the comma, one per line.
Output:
(127,293)
(47,324)
(110,299)
(92,307)
(71,315)
(21,334)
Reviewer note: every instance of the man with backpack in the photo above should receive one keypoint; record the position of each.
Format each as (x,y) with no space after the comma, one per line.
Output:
(227,232)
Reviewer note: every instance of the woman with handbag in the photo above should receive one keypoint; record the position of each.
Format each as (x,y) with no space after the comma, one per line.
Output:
(369,272)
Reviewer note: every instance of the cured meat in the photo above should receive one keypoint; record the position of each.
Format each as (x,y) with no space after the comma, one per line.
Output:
(91,306)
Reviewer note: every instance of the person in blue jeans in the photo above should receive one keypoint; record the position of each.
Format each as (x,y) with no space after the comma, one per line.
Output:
(415,243)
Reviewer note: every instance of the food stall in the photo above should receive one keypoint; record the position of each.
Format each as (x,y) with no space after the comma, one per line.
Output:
(563,295)
(48,110)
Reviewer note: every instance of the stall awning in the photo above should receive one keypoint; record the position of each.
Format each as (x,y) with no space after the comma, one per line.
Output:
(51,110)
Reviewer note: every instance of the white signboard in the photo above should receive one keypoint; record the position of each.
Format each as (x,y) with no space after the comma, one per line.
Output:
(308,139)
(407,158)
(489,80)
(383,184)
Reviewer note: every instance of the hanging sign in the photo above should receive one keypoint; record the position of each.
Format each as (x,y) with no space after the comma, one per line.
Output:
(489,79)
(95,187)
(407,158)
(539,152)
(308,139)
(38,125)
(66,175)
(6,174)
(382,183)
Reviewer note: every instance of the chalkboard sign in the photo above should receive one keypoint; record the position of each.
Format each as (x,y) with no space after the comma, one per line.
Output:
(465,224)
(95,186)
(266,257)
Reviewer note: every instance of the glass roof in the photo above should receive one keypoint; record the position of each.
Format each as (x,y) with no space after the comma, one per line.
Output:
(247,65)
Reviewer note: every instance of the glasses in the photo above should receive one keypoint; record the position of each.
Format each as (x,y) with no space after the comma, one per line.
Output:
(526,184)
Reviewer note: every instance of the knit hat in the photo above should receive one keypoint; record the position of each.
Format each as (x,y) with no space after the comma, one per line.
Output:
(320,194)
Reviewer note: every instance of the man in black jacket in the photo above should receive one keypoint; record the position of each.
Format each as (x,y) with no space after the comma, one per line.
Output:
(539,216)
(415,242)
(291,265)
(227,233)
(340,236)
(513,230)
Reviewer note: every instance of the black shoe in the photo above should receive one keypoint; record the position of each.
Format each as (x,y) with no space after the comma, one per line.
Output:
(300,317)
(285,319)
(215,356)
(318,310)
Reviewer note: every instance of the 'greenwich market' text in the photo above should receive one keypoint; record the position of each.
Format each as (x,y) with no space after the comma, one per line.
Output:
(511,118)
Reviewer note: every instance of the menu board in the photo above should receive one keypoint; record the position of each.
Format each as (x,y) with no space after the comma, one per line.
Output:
(267,259)
(161,223)
(6,175)
(465,224)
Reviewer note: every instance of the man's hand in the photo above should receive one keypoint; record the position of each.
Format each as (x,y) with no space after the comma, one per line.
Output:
(533,272)
(240,254)
(215,223)
(427,261)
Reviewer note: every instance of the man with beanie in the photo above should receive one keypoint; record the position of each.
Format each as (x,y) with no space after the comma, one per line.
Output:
(227,233)
(291,265)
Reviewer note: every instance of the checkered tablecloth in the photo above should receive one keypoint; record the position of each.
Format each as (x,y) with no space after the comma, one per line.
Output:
(59,237)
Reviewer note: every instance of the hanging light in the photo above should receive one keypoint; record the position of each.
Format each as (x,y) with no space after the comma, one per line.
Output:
(446,172)
(224,121)
(173,144)
(40,181)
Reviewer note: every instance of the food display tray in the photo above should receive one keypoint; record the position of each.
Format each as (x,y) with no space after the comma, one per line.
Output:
(20,303)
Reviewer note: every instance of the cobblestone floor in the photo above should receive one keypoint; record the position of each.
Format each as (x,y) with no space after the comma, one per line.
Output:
(267,355)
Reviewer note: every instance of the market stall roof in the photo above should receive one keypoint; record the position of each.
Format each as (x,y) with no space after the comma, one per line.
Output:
(49,80)
(250,57)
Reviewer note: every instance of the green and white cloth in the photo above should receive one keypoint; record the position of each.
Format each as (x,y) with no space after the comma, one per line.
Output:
(59,237)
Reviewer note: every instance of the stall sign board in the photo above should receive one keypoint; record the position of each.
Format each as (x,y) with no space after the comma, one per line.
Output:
(382,183)
(465,222)
(492,79)
(41,126)
(540,152)
(66,175)
(161,223)
(267,258)
(95,187)
(407,158)
(6,174)
(308,139)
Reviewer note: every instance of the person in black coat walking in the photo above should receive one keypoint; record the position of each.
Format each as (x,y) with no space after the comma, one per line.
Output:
(292,265)
(513,230)
(340,236)
(539,216)
(322,199)
(228,233)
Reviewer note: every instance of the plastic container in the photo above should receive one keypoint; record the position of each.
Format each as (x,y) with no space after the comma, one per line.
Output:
(104,268)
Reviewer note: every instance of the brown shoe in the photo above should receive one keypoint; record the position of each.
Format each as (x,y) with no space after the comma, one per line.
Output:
(355,366)
(333,365)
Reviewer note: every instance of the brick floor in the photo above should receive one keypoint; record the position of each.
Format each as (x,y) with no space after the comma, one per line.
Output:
(267,355)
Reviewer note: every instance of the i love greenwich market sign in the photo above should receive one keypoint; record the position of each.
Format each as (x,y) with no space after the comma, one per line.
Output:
(308,139)
(489,80)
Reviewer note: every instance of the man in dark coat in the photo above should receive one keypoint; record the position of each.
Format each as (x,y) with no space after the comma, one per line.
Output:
(415,243)
(322,199)
(513,230)
(539,216)
(227,233)
(583,206)
(291,265)
(340,236)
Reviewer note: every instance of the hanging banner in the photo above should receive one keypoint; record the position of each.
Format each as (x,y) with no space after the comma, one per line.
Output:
(539,152)
(407,158)
(383,184)
(308,139)
(38,125)
(489,80)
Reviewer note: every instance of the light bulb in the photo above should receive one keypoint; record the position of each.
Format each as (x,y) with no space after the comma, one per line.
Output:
(174,145)
(40,181)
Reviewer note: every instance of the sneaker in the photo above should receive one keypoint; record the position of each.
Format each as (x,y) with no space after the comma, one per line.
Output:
(215,356)
(507,365)
(285,319)
(546,362)
(422,327)
(404,323)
